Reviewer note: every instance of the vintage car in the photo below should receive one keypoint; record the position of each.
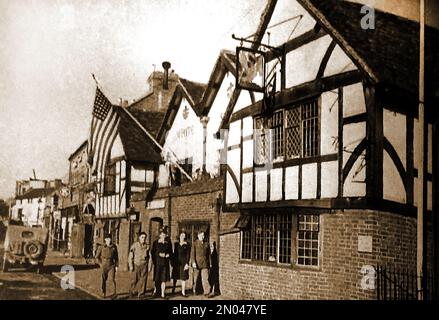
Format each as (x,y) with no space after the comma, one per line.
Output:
(25,247)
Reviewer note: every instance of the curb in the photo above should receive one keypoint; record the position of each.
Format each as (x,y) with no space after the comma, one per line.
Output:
(81,288)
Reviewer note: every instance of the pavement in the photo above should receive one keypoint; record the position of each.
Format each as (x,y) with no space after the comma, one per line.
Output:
(87,278)
(20,284)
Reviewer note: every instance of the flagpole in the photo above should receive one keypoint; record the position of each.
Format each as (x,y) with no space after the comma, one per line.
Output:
(147,133)
(420,263)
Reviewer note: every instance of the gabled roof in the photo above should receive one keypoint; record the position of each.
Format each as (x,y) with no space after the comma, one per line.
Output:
(78,149)
(225,63)
(388,54)
(36,193)
(136,144)
(192,92)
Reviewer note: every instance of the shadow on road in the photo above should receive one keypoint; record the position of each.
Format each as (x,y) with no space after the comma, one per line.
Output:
(52,268)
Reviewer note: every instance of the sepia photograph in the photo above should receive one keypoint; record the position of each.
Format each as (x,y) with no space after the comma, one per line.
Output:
(204,152)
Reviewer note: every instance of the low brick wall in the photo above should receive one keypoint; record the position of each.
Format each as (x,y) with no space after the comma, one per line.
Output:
(339,275)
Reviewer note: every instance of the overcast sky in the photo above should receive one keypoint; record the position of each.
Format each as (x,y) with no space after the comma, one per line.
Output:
(49,48)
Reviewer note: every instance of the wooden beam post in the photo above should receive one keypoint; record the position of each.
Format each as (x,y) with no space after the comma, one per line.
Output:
(421,154)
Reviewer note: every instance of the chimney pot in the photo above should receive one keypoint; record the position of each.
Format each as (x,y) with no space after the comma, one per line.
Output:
(166,65)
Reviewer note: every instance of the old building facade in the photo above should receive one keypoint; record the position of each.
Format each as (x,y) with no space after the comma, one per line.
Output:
(332,196)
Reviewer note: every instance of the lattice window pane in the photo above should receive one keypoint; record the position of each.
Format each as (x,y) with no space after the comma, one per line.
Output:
(261,142)
(270,238)
(258,245)
(277,131)
(310,131)
(308,240)
(292,132)
(285,229)
(246,244)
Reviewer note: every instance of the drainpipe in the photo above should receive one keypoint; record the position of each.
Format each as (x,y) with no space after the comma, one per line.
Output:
(204,122)
(420,262)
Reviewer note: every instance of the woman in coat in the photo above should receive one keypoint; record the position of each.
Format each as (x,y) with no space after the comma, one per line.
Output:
(162,256)
(180,265)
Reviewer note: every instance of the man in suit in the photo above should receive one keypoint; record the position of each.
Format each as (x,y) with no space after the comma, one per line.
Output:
(200,262)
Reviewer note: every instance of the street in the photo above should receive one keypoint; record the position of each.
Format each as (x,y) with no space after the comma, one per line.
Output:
(22,285)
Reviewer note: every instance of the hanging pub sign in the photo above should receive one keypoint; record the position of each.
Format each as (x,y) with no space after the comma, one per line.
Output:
(250,64)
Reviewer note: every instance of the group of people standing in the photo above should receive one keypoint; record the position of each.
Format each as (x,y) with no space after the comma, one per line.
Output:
(161,256)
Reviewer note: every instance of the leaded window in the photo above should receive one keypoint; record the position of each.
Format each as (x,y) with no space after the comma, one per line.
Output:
(308,240)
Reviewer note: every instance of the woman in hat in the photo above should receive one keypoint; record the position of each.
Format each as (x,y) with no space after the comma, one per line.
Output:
(163,255)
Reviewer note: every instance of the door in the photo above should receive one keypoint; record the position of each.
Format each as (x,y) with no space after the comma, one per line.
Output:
(88,240)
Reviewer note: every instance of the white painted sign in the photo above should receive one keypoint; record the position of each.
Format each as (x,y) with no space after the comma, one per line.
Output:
(365,244)
(156,204)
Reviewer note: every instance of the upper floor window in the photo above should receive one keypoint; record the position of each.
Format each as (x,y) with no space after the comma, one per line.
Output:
(110,179)
(293,132)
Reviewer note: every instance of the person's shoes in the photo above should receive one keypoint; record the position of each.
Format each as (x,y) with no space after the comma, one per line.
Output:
(206,295)
(184,295)
(165,298)
(211,295)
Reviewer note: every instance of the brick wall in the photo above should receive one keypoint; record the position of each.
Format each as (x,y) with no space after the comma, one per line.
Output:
(339,276)
(198,206)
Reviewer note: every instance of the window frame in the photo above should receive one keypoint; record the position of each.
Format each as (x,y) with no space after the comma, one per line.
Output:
(294,241)
(270,138)
(107,175)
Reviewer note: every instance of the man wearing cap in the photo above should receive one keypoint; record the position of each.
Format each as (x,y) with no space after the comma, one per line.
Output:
(108,259)
(138,265)
(200,262)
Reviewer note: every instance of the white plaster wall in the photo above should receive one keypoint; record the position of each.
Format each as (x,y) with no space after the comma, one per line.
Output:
(247,187)
(189,144)
(276,184)
(339,62)
(232,195)
(261,185)
(355,186)
(329,184)
(303,64)
(393,187)
(216,113)
(292,183)
(394,126)
(309,181)
(353,134)
(329,123)
(117,148)
(353,100)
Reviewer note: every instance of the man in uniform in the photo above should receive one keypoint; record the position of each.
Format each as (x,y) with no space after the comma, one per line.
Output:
(200,262)
(108,259)
(138,264)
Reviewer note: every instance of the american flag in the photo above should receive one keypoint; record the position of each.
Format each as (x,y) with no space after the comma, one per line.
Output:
(103,132)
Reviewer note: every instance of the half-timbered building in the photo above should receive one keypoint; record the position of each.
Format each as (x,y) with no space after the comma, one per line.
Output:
(320,182)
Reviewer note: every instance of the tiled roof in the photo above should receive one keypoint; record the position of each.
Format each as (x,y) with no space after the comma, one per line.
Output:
(390,52)
(137,145)
(224,63)
(195,91)
(36,193)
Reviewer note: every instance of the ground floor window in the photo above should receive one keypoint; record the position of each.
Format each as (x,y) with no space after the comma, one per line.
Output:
(280,238)
(191,228)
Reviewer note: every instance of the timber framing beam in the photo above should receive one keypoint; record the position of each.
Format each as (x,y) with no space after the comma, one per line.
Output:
(301,92)
(295,43)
